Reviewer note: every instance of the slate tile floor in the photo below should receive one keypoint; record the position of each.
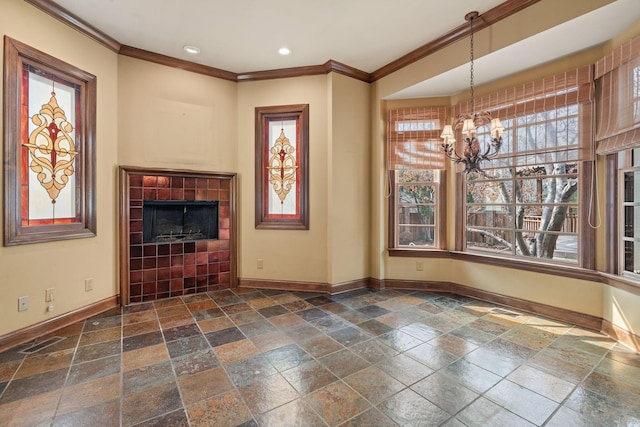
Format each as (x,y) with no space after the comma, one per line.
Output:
(273,358)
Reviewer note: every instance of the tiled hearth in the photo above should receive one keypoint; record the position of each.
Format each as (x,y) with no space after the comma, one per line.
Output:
(152,271)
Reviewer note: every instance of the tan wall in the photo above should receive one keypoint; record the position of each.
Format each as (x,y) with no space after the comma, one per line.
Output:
(291,255)
(379,186)
(28,270)
(570,294)
(174,119)
(334,249)
(349,198)
(621,308)
(563,292)
(406,268)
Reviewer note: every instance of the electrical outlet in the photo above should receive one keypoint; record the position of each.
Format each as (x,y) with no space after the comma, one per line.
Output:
(50,308)
(419,266)
(260,264)
(48,295)
(88,284)
(23,303)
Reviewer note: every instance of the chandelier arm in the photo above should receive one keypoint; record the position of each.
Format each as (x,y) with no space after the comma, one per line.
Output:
(496,143)
(451,153)
(486,153)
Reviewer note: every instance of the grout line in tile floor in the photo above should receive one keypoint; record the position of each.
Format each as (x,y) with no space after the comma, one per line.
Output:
(246,357)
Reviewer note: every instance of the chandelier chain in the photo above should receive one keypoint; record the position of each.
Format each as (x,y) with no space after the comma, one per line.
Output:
(473,101)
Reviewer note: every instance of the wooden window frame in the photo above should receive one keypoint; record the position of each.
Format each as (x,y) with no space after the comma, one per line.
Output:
(263,116)
(437,249)
(617,165)
(614,274)
(611,213)
(15,231)
(586,234)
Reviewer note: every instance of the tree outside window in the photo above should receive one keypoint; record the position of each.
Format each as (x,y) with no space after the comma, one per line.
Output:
(525,203)
(416,192)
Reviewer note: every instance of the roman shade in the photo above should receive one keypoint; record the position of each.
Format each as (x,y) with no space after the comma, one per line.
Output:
(413,138)
(618,88)
(554,98)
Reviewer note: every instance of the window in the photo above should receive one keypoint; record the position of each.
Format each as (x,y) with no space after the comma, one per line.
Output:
(629,263)
(416,164)
(416,192)
(282,172)
(530,201)
(49,148)
(527,205)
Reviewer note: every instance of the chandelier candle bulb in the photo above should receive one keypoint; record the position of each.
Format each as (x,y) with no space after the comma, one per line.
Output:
(496,128)
(447,135)
(468,128)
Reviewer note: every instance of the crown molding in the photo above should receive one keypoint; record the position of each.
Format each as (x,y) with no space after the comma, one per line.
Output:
(170,61)
(282,73)
(490,17)
(312,70)
(347,70)
(76,23)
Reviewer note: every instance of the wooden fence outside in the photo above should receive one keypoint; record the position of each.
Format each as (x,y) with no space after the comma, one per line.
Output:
(531,223)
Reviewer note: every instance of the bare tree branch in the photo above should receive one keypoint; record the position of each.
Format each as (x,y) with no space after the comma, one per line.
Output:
(493,236)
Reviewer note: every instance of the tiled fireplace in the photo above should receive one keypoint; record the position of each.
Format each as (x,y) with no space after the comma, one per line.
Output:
(180,257)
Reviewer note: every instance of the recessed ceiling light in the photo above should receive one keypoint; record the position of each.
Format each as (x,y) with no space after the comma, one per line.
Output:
(193,50)
(284,50)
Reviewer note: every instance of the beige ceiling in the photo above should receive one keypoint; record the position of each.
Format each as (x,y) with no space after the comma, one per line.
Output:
(244,35)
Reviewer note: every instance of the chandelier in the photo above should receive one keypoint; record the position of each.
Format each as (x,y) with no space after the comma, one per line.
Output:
(474,152)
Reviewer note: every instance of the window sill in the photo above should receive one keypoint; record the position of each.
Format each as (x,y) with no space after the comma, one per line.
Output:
(620,282)
(419,253)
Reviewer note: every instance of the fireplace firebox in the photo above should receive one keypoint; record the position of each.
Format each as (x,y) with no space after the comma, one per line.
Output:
(177,220)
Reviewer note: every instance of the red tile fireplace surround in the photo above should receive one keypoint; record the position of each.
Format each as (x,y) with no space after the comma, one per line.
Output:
(150,271)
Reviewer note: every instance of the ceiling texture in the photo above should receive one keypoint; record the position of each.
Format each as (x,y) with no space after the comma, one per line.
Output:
(242,36)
